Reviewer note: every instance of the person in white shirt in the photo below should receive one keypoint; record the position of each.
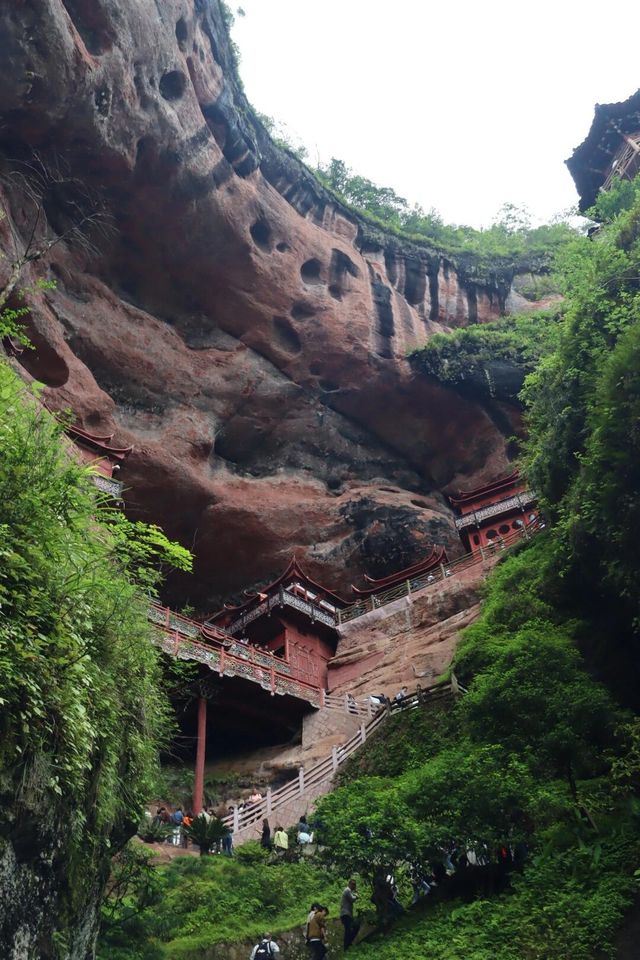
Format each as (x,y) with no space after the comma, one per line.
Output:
(265,949)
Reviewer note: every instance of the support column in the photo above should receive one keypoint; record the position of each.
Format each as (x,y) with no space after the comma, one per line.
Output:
(201,750)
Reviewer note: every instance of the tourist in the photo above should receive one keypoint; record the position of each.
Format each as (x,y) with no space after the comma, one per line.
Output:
(352,706)
(265,948)
(304,832)
(351,926)
(421,887)
(227,843)
(317,931)
(265,839)
(256,796)
(394,903)
(176,819)
(401,694)
(280,841)
(186,822)
(305,930)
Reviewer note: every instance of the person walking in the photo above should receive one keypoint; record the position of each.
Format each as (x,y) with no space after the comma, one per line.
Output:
(227,843)
(265,839)
(305,930)
(317,931)
(265,948)
(280,841)
(351,926)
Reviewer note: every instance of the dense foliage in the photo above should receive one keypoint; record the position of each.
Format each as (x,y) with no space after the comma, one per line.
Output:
(491,358)
(527,756)
(538,751)
(180,910)
(583,409)
(83,710)
(511,237)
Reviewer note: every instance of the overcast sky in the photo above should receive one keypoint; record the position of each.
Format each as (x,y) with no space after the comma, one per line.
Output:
(462,106)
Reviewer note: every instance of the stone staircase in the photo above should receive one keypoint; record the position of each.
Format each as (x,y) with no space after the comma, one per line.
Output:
(286,805)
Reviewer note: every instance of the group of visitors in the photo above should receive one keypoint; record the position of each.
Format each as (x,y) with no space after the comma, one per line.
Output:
(175,821)
(254,798)
(315,928)
(279,843)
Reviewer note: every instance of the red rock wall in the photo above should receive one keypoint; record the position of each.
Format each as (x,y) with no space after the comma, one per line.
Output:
(241,329)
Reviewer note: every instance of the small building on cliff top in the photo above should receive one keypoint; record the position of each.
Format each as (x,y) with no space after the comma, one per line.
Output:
(294,618)
(490,514)
(611,149)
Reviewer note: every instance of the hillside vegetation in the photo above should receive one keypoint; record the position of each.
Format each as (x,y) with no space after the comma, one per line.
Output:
(78,747)
(543,750)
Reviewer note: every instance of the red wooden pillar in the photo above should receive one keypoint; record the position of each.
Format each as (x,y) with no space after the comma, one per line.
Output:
(201,750)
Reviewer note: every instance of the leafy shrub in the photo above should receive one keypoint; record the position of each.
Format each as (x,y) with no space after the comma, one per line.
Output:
(206,832)
(251,853)
(208,900)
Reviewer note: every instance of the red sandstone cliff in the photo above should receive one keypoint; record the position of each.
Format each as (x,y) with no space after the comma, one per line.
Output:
(241,329)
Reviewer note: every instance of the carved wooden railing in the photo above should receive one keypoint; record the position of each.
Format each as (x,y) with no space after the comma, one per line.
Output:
(626,161)
(519,502)
(189,640)
(283,598)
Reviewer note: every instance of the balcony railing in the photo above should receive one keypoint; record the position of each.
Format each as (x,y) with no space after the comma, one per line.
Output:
(190,640)
(626,161)
(519,502)
(439,574)
(108,485)
(283,598)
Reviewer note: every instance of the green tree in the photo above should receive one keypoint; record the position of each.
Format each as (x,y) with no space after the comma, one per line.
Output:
(82,707)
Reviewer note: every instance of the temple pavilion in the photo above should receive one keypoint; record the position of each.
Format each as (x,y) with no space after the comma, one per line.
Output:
(294,618)
(497,510)
(611,149)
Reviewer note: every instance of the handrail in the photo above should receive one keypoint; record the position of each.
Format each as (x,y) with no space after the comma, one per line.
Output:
(229,656)
(282,598)
(307,778)
(227,664)
(437,574)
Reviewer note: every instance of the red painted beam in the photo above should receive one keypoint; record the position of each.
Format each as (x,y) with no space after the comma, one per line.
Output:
(198,785)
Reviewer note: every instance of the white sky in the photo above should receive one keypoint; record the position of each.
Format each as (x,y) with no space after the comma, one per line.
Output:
(462,105)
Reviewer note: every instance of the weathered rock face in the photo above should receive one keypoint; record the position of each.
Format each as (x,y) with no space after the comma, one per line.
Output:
(245,332)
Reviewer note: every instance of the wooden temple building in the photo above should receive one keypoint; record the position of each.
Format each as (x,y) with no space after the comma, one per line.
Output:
(434,561)
(280,639)
(489,514)
(294,618)
(611,149)
(105,459)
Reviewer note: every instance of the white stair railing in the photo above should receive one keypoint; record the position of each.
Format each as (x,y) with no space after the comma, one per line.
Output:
(323,772)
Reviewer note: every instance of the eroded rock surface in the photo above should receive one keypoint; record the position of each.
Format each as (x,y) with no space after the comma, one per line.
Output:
(238,326)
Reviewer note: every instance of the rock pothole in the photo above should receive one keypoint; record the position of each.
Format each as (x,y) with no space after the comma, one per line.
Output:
(173,84)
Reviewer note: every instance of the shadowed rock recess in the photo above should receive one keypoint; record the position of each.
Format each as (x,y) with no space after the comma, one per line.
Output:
(243,330)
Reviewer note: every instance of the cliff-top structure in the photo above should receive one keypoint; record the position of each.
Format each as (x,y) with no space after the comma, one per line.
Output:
(611,149)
